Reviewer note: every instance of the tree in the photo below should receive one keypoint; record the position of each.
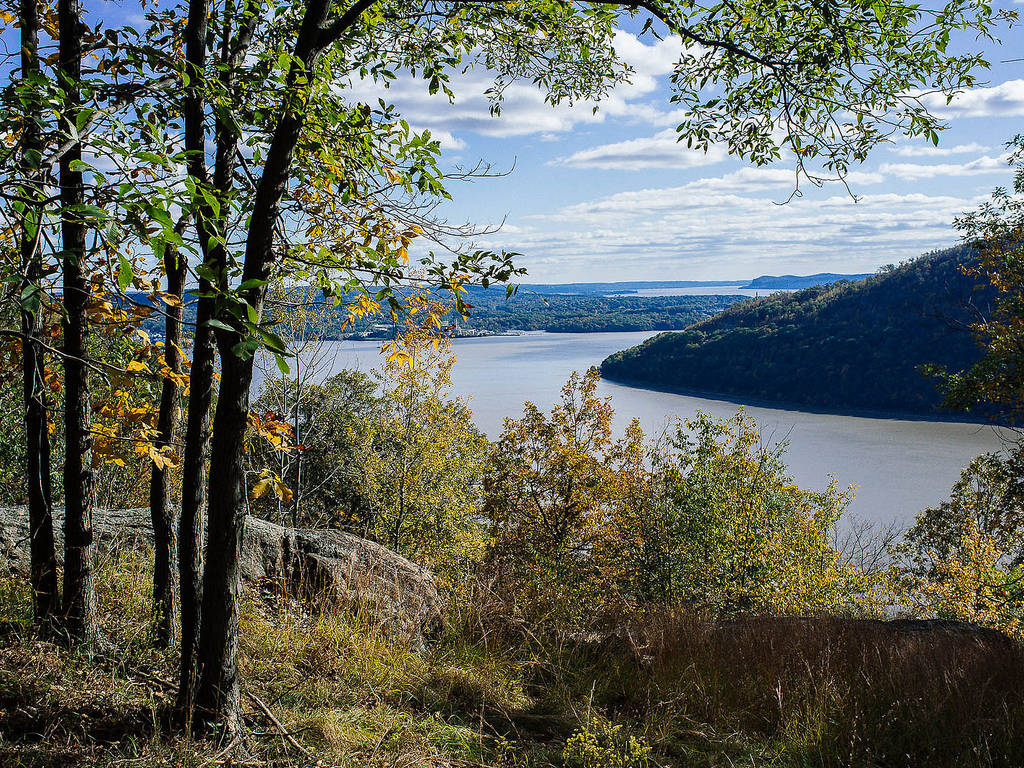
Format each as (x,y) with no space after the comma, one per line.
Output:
(964,559)
(57,112)
(166,592)
(296,398)
(822,82)
(995,231)
(735,534)
(37,470)
(548,488)
(334,417)
(329,417)
(585,529)
(424,457)
(79,592)
(306,73)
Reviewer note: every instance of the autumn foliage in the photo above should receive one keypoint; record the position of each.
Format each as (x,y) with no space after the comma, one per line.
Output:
(586,527)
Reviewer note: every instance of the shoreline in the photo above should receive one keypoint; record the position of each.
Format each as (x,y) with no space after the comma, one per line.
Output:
(879,414)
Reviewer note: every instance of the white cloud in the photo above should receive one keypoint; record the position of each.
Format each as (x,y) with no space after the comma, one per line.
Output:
(914,171)
(659,151)
(730,225)
(927,150)
(524,110)
(448,141)
(1003,100)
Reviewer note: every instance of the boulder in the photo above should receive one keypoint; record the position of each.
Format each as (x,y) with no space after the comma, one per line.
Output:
(330,566)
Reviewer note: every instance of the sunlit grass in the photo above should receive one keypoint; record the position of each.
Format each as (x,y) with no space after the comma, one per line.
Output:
(784,693)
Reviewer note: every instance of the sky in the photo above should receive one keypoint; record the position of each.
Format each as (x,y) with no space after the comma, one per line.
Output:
(611,196)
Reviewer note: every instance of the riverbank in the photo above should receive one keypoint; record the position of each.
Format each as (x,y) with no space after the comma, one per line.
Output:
(798,407)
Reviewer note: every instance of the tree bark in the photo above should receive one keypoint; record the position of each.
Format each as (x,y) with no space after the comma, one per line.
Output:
(211,230)
(197,429)
(217,697)
(162,509)
(79,589)
(43,571)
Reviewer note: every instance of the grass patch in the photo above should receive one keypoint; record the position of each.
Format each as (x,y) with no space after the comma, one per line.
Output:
(785,693)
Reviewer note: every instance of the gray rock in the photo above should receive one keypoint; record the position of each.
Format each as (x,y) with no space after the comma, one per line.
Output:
(328,566)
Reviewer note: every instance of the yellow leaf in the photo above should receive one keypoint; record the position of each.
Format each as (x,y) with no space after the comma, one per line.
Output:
(260,489)
(284,493)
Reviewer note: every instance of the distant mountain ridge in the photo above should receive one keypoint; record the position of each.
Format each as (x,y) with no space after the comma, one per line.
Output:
(843,346)
(768,282)
(629,286)
(796,282)
(652,305)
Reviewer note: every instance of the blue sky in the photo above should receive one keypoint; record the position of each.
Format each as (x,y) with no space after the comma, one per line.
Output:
(612,196)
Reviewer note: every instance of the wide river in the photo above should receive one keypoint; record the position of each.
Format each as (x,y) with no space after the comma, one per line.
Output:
(899,466)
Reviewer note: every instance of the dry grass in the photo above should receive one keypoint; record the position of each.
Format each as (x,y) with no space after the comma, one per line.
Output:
(817,692)
(754,692)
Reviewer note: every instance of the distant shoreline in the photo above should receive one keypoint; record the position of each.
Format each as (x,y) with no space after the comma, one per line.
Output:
(784,405)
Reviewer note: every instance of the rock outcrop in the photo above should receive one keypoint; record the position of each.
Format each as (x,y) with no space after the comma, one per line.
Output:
(325,565)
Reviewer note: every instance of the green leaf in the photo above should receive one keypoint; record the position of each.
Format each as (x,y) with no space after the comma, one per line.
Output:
(124,272)
(83,117)
(30,296)
(214,323)
(282,365)
(274,342)
(92,211)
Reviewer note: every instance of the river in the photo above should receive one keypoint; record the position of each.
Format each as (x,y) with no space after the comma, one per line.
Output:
(899,466)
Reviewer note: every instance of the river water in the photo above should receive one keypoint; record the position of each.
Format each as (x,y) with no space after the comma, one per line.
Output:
(899,466)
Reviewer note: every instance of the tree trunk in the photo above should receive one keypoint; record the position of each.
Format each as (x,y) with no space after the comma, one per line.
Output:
(161,506)
(211,231)
(197,429)
(217,697)
(193,497)
(79,592)
(43,570)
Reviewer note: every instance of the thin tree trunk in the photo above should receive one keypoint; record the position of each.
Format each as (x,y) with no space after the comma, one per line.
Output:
(217,697)
(193,498)
(37,476)
(211,229)
(161,505)
(197,430)
(79,589)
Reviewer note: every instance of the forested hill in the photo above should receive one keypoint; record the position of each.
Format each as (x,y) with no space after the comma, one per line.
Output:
(796,282)
(849,345)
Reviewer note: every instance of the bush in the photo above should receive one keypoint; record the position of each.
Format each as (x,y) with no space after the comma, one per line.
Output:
(585,528)
(602,745)
(962,559)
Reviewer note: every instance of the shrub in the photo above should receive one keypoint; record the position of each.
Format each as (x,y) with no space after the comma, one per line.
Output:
(962,559)
(706,518)
(599,744)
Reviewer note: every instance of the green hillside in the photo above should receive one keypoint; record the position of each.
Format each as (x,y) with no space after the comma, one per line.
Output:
(849,345)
